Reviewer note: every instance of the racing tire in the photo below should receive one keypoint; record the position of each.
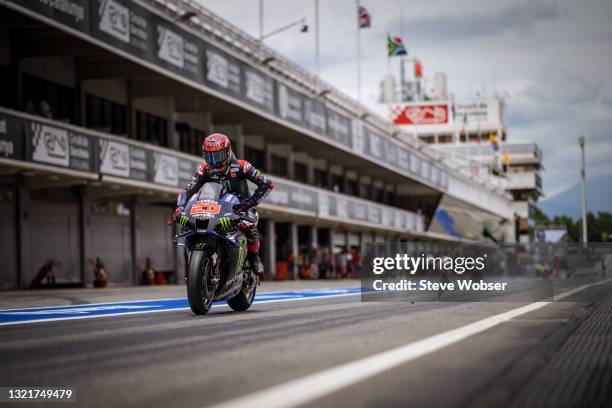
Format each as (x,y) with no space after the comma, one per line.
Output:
(199,291)
(244,299)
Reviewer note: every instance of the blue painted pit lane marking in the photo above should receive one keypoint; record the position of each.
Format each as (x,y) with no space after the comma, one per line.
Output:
(54,313)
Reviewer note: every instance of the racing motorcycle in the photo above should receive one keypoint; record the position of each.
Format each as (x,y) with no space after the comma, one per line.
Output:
(215,251)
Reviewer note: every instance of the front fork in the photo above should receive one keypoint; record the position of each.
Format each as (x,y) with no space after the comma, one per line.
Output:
(216,267)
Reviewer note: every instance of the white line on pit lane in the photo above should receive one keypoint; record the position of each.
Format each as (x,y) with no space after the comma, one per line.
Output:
(307,389)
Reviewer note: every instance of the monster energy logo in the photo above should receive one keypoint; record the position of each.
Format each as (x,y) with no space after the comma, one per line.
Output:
(183,220)
(242,253)
(199,245)
(225,223)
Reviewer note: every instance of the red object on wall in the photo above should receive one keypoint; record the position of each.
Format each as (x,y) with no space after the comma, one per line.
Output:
(421,114)
(418,69)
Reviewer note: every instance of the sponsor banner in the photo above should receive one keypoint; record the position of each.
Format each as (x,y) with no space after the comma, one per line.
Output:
(341,207)
(359,137)
(473,112)
(443,179)
(391,153)
(72,13)
(123,24)
(314,116)
(403,158)
(81,151)
(323,204)
(49,144)
(425,169)
(187,169)
(374,214)
(114,158)
(258,89)
(339,128)
(358,210)
(11,137)
(434,175)
(222,72)
(421,114)
(58,146)
(139,159)
(176,50)
(415,164)
(376,146)
(289,104)
(166,169)
(288,195)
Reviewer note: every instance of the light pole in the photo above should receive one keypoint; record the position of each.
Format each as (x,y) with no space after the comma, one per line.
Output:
(263,36)
(301,21)
(317,45)
(581,141)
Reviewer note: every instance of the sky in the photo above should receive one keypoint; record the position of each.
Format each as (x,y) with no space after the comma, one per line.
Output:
(551,59)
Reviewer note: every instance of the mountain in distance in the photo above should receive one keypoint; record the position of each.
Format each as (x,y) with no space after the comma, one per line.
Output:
(568,202)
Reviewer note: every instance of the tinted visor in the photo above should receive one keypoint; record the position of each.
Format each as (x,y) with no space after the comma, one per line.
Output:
(217,159)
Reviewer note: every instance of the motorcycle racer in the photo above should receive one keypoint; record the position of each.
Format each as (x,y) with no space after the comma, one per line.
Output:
(221,165)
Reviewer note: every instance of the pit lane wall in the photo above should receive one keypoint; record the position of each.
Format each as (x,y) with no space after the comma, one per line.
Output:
(142,34)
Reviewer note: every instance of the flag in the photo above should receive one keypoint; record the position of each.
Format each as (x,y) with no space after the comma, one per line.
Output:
(493,141)
(364,20)
(418,69)
(395,47)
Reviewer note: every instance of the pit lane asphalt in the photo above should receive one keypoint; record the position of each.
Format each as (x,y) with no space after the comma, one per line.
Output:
(176,359)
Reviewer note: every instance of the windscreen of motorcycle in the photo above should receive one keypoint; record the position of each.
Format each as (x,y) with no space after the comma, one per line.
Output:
(211,206)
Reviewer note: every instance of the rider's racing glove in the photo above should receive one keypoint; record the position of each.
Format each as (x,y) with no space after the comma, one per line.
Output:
(177,213)
(244,205)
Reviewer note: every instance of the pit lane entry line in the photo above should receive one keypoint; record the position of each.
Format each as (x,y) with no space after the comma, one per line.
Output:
(312,387)
(93,310)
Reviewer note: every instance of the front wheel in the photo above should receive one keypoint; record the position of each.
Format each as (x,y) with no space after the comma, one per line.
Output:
(244,299)
(200,289)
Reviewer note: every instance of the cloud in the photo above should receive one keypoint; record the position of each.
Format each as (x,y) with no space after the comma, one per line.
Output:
(519,18)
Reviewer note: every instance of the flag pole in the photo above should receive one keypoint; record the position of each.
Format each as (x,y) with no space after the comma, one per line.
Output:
(358,56)
(317,49)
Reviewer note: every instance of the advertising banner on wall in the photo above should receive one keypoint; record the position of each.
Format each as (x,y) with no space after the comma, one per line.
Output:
(59,146)
(222,72)
(421,114)
(114,158)
(124,24)
(72,13)
(478,111)
(165,169)
(258,89)
(290,104)
(314,116)
(139,163)
(339,127)
(11,137)
(176,50)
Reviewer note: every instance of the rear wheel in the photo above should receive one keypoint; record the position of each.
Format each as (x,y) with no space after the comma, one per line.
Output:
(244,299)
(200,289)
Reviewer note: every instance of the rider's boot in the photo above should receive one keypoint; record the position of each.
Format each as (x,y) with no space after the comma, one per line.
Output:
(256,264)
